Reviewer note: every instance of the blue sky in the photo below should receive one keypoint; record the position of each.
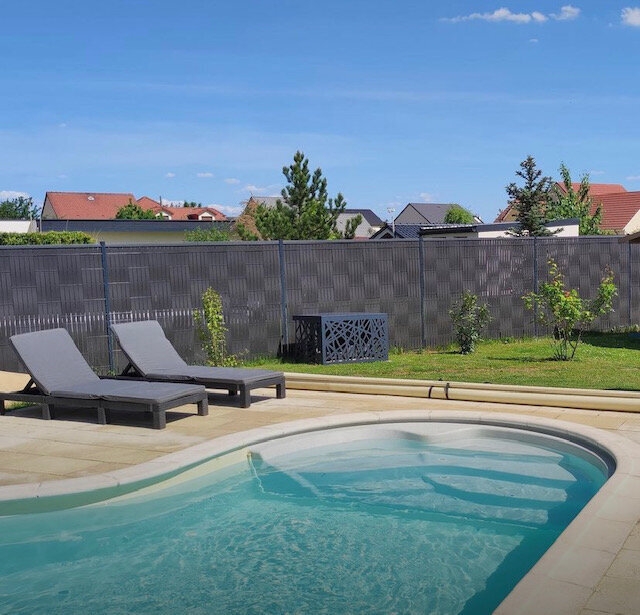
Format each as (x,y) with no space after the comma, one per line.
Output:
(397,101)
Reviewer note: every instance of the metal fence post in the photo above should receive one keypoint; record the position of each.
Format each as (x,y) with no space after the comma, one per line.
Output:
(629,285)
(535,285)
(423,316)
(107,303)
(283,297)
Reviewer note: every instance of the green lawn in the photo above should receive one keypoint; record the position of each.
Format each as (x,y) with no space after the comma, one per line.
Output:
(603,361)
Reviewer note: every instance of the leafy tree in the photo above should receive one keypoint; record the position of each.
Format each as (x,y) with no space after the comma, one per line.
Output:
(211,233)
(569,203)
(191,204)
(530,200)
(456,214)
(305,211)
(20,208)
(566,311)
(133,211)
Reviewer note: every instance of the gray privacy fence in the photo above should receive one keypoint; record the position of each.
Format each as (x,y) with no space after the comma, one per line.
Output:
(264,284)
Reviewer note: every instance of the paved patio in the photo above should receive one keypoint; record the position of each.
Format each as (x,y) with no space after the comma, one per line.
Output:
(37,451)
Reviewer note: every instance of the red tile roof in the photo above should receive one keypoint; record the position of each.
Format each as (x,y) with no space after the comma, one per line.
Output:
(147,203)
(85,205)
(191,213)
(105,206)
(617,209)
(594,189)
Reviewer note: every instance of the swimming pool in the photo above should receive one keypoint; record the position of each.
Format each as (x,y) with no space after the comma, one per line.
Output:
(408,517)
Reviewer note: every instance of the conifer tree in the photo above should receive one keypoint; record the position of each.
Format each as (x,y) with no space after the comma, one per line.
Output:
(530,200)
(305,211)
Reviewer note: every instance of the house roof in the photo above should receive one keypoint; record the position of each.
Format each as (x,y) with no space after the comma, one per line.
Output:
(269,201)
(594,189)
(425,213)
(398,231)
(87,205)
(105,206)
(147,203)
(617,209)
(369,216)
(189,213)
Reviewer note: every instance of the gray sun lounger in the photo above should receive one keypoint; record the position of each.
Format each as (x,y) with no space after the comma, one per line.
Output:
(152,357)
(60,376)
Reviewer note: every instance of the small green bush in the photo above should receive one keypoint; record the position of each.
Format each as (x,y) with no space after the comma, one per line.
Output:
(469,318)
(47,238)
(566,312)
(212,330)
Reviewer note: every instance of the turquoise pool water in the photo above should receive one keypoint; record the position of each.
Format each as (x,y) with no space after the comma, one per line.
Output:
(435,518)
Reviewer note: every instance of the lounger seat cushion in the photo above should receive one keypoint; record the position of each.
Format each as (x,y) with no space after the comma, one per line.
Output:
(202,373)
(124,391)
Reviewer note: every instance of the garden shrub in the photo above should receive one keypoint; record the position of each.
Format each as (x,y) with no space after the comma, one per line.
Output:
(46,238)
(566,312)
(469,318)
(212,330)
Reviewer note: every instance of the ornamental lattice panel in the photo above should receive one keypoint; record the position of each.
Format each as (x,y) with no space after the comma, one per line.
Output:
(341,338)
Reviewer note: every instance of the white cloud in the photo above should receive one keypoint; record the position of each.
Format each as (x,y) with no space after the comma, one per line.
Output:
(170,175)
(229,210)
(207,174)
(566,13)
(633,178)
(631,16)
(170,203)
(261,190)
(426,197)
(8,195)
(232,181)
(533,40)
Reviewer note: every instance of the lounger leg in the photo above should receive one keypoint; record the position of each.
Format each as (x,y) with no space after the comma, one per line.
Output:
(102,417)
(281,391)
(245,394)
(159,419)
(47,411)
(3,410)
(203,407)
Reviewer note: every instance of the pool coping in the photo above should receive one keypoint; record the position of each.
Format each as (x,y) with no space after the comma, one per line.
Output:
(569,571)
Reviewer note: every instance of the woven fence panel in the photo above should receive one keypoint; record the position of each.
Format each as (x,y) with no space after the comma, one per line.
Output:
(366,277)
(583,262)
(167,285)
(48,287)
(498,271)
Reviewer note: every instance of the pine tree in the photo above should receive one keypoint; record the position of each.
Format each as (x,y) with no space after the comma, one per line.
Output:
(530,200)
(305,211)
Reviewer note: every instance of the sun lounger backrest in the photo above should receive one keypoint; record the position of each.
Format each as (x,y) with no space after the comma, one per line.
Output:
(52,359)
(146,346)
